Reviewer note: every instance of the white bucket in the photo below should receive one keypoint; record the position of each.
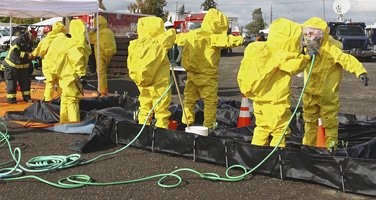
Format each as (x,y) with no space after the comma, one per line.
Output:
(300,75)
(40,78)
(199,130)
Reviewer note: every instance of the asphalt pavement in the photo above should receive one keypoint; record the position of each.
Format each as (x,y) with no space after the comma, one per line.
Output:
(135,163)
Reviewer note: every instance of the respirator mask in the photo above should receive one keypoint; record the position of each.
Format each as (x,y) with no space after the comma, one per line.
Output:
(312,40)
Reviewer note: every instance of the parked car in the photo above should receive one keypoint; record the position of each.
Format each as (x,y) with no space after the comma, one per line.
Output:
(249,39)
(4,37)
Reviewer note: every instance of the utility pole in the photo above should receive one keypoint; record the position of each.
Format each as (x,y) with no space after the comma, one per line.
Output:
(176,12)
(323,8)
(265,17)
(271,13)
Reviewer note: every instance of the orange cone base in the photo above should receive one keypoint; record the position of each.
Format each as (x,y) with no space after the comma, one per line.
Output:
(244,121)
(321,141)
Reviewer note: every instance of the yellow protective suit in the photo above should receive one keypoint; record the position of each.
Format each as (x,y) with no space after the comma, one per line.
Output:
(41,50)
(107,47)
(70,56)
(335,42)
(321,95)
(265,76)
(200,58)
(149,68)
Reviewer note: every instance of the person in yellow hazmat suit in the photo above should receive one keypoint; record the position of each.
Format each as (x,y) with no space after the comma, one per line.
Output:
(107,47)
(70,55)
(321,95)
(265,76)
(149,68)
(41,51)
(200,58)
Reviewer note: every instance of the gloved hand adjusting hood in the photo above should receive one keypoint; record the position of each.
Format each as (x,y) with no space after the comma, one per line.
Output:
(286,35)
(215,22)
(149,27)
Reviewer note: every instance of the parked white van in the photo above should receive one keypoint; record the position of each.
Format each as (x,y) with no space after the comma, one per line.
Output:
(4,36)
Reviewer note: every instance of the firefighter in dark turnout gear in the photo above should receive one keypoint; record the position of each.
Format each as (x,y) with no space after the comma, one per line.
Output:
(16,66)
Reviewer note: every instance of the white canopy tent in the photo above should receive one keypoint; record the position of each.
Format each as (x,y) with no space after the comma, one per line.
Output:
(47,8)
(50,8)
(49,21)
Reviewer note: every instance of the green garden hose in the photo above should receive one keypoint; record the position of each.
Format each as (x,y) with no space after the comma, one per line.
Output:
(47,163)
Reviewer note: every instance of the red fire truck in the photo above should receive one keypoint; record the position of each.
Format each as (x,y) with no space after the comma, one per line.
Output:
(194,21)
(191,22)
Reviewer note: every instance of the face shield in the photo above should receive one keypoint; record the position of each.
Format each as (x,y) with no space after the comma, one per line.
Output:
(312,39)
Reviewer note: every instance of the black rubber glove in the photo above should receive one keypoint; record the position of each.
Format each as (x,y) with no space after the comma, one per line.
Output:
(83,80)
(364,79)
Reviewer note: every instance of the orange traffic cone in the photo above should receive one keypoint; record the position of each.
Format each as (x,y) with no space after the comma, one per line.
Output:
(321,141)
(244,115)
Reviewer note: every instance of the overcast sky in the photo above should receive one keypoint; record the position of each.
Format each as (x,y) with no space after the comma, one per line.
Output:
(297,10)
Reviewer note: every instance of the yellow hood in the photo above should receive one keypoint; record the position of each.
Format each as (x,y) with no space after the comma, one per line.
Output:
(149,27)
(285,34)
(102,22)
(78,31)
(316,22)
(57,27)
(215,22)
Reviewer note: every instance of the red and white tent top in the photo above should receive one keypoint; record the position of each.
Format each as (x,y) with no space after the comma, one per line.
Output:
(47,8)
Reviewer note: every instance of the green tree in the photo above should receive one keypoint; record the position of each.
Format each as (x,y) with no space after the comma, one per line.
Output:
(257,22)
(208,4)
(151,7)
(19,20)
(4,19)
(101,5)
(181,10)
(241,30)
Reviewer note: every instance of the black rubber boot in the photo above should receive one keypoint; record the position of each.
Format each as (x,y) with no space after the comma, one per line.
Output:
(12,100)
(27,98)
